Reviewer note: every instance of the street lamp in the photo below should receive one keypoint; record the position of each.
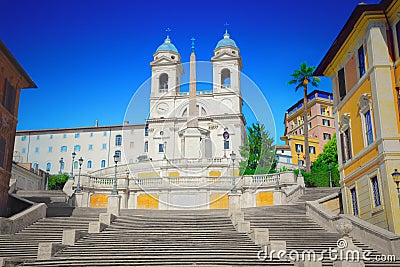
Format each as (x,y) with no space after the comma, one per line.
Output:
(165,150)
(78,187)
(330,174)
(61,164)
(116,160)
(278,175)
(233,157)
(396,178)
(72,165)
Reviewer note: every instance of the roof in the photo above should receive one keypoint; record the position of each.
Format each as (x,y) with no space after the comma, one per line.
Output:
(14,62)
(310,97)
(226,41)
(347,29)
(80,129)
(167,46)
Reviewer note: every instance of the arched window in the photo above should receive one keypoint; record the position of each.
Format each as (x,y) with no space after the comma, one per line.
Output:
(225,78)
(118,140)
(89,164)
(76,164)
(103,163)
(77,148)
(48,166)
(35,166)
(163,82)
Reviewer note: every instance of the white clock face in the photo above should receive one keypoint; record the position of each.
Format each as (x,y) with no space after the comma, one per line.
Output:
(162,108)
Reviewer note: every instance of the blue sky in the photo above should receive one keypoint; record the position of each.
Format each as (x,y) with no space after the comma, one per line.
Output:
(88,57)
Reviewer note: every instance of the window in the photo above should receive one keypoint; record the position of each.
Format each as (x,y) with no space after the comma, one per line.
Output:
(348,143)
(23,150)
(48,166)
(51,136)
(2,152)
(327,136)
(104,133)
(118,140)
(361,61)
(50,149)
(146,131)
(326,122)
(23,138)
(10,94)
(160,147)
(299,148)
(36,149)
(376,191)
(103,163)
(91,134)
(368,127)
(89,164)
(63,149)
(64,135)
(226,144)
(77,135)
(323,111)
(301,131)
(311,149)
(38,137)
(342,84)
(76,164)
(163,83)
(225,78)
(35,166)
(161,133)
(354,201)
(104,146)
(90,147)
(77,148)
(146,146)
(118,153)
(309,125)
(301,162)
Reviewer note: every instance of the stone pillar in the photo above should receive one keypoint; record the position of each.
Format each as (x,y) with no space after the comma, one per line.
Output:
(234,203)
(113,205)
(279,197)
(132,200)
(79,199)
(70,236)
(353,256)
(47,249)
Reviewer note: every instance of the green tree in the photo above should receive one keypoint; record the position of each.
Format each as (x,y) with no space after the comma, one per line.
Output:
(319,175)
(257,151)
(57,181)
(301,78)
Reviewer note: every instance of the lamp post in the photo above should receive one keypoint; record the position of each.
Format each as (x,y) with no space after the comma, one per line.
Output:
(116,160)
(233,157)
(61,164)
(330,175)
(298,160)
(278,175)
(78,187)
(396,179)
(72,165)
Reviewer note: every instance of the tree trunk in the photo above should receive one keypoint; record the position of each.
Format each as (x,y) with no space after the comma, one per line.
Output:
(305,125)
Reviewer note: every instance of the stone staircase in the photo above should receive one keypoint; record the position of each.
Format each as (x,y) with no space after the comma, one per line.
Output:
(163,238)
(24,244)
(314,193)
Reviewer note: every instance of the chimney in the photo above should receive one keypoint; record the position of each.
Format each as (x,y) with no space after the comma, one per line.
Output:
(96,123)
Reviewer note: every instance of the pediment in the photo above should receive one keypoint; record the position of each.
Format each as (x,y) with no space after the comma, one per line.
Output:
(225,56)
(163,60)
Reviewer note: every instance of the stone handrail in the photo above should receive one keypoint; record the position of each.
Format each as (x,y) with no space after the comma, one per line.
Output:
(22,219)
(294,193)
(380,239)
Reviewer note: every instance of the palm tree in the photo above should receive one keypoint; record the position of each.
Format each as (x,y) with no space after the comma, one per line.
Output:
(301,78)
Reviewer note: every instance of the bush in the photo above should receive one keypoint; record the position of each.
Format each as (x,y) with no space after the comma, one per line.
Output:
(57,181)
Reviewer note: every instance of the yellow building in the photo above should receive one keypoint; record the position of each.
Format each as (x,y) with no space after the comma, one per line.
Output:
(320,126)
(363,63)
